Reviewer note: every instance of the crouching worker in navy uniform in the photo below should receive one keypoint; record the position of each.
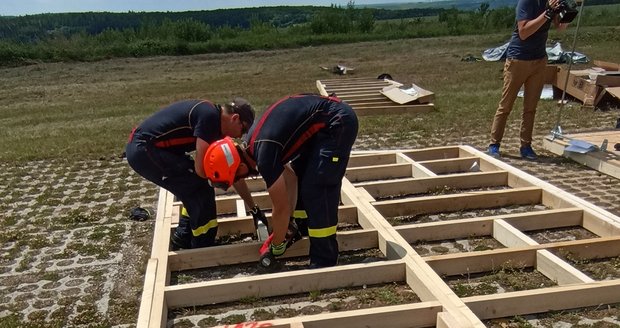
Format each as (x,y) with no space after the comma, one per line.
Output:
(158,150)
(300,138)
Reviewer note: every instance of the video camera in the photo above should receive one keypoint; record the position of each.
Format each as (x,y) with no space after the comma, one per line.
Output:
(567,11)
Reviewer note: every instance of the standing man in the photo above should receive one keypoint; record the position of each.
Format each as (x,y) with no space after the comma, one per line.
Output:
(158,150)
(301,139)
(526,59)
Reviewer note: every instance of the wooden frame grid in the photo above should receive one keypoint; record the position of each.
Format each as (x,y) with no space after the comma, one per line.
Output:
(371,179)
(364,96)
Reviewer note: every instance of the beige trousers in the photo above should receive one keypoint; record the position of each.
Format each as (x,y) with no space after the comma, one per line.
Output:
(531,75)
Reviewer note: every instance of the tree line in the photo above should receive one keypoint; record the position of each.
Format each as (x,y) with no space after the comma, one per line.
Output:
(95,36)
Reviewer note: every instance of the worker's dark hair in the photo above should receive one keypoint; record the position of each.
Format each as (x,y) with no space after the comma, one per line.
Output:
(242,107)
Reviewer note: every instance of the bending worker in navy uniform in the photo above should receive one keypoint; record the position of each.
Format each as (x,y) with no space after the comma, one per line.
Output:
(158,150)
(305,138)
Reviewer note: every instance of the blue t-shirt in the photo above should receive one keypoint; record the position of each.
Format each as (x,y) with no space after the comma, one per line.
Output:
(534,47)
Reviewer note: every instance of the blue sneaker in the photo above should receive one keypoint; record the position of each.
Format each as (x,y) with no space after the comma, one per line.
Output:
(528,153)
(493,150)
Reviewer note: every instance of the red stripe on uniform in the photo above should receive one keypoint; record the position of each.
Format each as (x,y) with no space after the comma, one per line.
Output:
(303,138)
(175,142)
(262,121)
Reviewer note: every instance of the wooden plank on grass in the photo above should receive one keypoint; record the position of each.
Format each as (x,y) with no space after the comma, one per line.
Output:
(381,189)
(371,160)
(522,257)
(378,172)
(416,315)
(245,224)
(394,109)
(607,162)
(420,277)
(301,281)
(483,226)
(248,252)
(458,202)
(545,299)
(558,270)
(435,153)
(452,165)
(159,308)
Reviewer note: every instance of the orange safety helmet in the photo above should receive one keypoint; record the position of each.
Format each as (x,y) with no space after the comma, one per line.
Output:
(221,162)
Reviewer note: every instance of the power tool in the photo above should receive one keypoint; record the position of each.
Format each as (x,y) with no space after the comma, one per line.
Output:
(267,261)
(260,223)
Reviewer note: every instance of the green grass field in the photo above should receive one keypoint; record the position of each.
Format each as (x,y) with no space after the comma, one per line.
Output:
(86,110)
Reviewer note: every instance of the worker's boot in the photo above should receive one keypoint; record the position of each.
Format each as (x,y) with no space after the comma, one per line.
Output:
(181,238)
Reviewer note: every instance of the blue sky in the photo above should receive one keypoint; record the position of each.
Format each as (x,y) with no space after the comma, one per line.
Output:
(28,7)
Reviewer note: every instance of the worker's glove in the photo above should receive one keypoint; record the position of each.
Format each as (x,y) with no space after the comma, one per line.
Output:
(258,215)
(269,251)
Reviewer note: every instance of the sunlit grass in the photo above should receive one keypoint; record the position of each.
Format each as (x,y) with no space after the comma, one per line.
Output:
(85,110)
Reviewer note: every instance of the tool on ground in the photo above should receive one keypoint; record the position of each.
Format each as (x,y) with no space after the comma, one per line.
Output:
(139,214)
(260,223)
(269,252)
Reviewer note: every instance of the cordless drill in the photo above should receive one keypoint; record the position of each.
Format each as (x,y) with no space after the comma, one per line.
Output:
(267,259)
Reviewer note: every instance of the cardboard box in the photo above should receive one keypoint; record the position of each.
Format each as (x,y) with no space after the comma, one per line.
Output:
(578,85)
(407,94)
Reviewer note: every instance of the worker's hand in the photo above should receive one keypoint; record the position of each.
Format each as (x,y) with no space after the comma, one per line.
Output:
(269,247)
(268,253)
(552,9)
(258,215)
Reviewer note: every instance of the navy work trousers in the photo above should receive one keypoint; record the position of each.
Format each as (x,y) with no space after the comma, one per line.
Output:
(320,168)
(175,173)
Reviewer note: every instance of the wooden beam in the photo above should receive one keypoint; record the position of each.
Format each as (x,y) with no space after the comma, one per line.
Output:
(544,299)
(558,270)
(380,189)
(248,252)
(429,154)
(417,170)
(522,257)
(602,161)
(378,172)
(158,313)
(458,202)
(452,165)
(510,236)
(416,315)
(245,225)
(446,320)
(267,285)
(573,201)
(371,160)
(483,226)
(394,109)
(422,279)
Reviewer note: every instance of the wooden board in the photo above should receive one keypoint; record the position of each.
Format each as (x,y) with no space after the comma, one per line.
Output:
(364,95)
(607,162)
(435,180)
